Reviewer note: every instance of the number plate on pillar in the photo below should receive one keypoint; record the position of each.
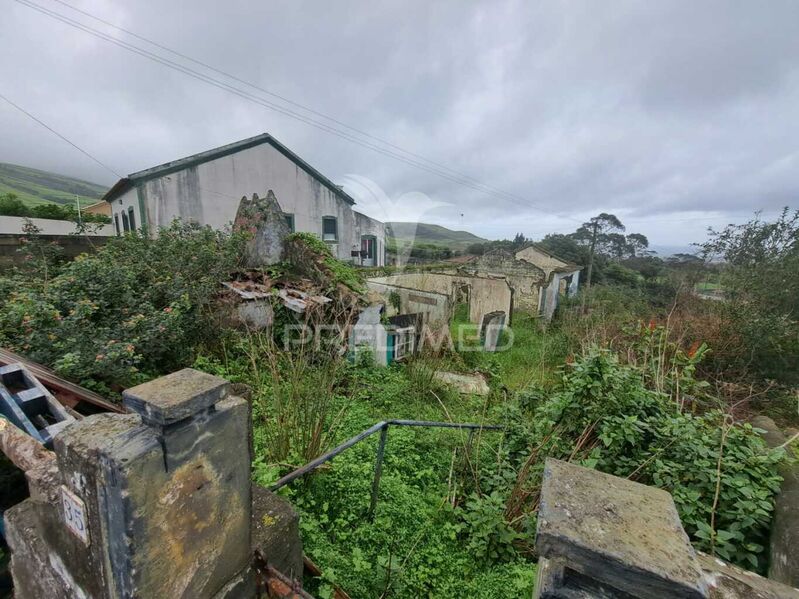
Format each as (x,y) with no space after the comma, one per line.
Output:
(74,514)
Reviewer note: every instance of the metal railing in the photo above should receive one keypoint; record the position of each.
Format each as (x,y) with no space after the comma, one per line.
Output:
(381,448)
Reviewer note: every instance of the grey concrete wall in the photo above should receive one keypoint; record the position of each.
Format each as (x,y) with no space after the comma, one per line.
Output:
(13,225)
(72,245)
(209,194)
(436,308)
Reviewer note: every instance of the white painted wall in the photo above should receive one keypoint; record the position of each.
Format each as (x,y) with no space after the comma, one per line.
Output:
(123,203)
(209,193)
(14,225)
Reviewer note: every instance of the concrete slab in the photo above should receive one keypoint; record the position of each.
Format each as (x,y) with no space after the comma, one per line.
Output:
(617,532)
(175,397)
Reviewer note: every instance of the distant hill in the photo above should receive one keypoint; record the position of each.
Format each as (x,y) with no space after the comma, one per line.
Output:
(426,233)
(34,187)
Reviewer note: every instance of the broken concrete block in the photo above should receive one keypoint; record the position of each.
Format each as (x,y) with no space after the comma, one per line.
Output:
(474,384)
(726,581)
(175,397)
(276,532)
(614,534)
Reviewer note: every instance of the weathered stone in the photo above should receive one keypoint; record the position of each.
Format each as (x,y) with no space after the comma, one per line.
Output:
(255,314)
(166,508)
(725,581)
(463,383)
(276,532)
(615,532)
(784,543)
(265,221)
(174,397)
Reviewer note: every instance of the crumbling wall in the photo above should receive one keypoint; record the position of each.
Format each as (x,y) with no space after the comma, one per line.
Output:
(436,308)
(266,223)
(486,294)
(526,279)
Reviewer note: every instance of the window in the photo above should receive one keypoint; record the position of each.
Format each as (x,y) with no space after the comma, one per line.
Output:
(329,228)
(125,224)
(116,224)
(132,219)
(289,221)
(404,342)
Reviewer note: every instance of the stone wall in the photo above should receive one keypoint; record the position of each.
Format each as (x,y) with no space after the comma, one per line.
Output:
(526,279)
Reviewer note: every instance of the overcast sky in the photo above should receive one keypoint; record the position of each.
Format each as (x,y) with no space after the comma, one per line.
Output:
(673,115)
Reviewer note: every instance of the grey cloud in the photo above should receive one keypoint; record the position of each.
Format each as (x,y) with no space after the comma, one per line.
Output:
(659,111)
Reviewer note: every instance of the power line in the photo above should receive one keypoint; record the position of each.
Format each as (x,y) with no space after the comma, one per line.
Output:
(54,132)
(460,180)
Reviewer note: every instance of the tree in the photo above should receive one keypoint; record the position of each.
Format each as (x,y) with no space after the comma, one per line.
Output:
(637,245)
(519,241)
(760,279)
(11,205)
(596,231)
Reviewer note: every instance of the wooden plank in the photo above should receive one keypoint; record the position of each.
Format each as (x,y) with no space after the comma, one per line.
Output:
(68,394)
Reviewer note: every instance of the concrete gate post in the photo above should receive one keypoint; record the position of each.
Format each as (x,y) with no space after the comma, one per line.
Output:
(151,504)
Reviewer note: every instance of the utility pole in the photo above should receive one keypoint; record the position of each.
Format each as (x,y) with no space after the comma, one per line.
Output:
(77,203)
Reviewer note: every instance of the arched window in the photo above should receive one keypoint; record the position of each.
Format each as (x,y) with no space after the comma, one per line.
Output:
(125,224)
(131,219)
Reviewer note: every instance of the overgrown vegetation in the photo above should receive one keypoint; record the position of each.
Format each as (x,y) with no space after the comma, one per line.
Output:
(638,378)
(135,309)
(11,205)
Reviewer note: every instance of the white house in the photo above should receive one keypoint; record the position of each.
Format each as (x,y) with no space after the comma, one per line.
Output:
(206,188)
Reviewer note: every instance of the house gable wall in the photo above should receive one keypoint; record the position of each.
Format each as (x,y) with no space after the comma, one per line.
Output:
(209,193)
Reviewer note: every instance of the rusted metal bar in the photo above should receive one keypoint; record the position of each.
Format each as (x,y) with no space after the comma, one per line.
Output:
(314,464)
(381,449)
(314,570)
(433,423)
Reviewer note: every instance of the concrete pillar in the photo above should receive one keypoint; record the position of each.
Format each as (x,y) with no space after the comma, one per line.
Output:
(151,504)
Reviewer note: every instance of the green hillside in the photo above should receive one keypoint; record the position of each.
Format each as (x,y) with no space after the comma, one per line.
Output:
(34,187)
(404,233)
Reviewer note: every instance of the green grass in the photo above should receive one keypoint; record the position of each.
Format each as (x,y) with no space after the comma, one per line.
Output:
(35,187)
(534,355)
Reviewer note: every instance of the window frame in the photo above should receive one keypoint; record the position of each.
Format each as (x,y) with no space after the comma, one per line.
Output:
(132,218)
(125,223)
(289,216)
(326,219)
(116,223)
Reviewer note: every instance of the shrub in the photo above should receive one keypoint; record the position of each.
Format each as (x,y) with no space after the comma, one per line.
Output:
(721,475)
(137,308)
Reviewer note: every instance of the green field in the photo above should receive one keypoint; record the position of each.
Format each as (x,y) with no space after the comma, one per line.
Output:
(35,187)
(405,233)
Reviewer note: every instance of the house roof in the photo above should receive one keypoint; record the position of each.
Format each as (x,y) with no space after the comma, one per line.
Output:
(174,166)
(567,266)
